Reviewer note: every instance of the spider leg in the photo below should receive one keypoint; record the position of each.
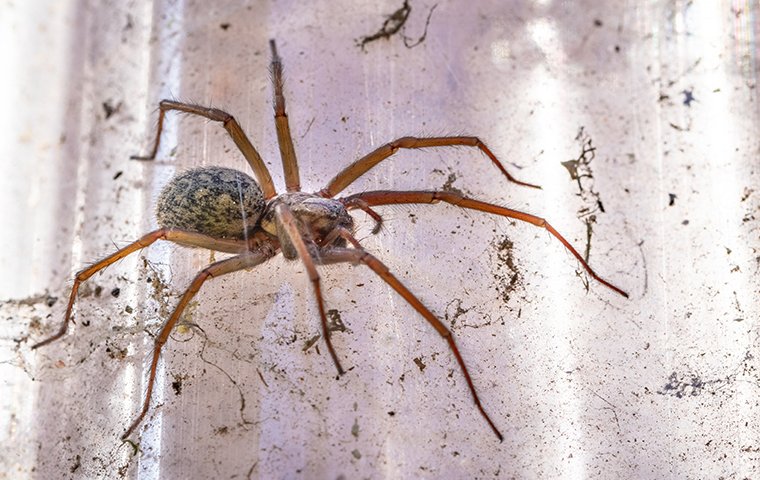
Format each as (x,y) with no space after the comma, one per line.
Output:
(289,224)
(387,197)
(359,255)
(177,236)
(348,175)
(222,267)
(232,126)
(284,139)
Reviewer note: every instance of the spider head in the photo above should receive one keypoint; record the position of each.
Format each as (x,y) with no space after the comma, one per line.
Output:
(318,218)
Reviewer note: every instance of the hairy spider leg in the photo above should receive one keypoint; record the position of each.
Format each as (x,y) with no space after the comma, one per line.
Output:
(284,139)
(177,236)
(240,262)
(232,126)
(359,255)
(389,197)
(348,175)
(288,221)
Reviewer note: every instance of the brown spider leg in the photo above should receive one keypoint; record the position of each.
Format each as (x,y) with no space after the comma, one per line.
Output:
(387,197)
(284,139)
(289,223)
(348,175)
(222,267)
(177,236)
(359,255)
(232,126)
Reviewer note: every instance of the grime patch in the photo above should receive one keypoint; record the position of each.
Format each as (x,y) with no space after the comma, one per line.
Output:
(507,275)
(582,174)
(395,23)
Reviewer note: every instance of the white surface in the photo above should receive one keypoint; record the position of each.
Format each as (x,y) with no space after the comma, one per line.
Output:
(581,384)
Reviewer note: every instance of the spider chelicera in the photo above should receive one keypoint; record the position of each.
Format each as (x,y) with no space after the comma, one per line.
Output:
(227,211)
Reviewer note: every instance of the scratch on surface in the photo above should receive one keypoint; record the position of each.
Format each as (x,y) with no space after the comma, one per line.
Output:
(646,272)
(611,407)
(244,420)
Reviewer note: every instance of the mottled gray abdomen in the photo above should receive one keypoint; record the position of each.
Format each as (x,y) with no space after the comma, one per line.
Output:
(215,201)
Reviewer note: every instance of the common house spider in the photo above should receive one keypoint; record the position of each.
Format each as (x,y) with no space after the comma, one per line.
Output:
(227,211)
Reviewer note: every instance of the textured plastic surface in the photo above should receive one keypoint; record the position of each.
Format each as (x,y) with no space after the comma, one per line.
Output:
(582,383)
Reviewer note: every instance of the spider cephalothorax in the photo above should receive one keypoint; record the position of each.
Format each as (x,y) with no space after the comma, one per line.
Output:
(318,220)
(227,211)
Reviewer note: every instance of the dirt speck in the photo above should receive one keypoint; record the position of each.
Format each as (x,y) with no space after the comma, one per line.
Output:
(420,364)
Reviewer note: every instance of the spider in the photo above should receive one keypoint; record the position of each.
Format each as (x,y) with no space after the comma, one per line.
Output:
(225,210)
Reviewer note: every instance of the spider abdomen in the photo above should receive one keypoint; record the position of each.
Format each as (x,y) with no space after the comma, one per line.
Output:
(215,201)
